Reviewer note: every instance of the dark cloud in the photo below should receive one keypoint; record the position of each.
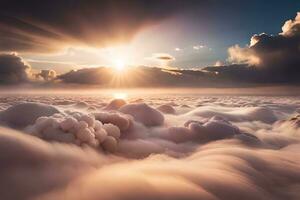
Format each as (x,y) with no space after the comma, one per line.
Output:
(139,77)
(13,69)
(237,73)
(274,58)
(221,76)
(163,57)
(101,75)
(49,25)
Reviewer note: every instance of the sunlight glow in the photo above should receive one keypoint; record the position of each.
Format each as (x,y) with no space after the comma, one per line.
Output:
(119,65)
(120,96)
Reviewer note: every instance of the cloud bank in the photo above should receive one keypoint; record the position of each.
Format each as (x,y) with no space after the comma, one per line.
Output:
(137,77)
(269,59)
(14,70)
(227,144)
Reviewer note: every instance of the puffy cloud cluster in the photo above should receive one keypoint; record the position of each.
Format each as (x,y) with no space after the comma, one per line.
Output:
(24,114)
(243,144)
(77,129)
(202,131)
(214,128)
(101,130)
(47,75)
(263,114)
(209,173)
(291,27)
(31,167)
(168,109)
(115,104)
(276,57)
(13,69)
(144,114)
(123,122)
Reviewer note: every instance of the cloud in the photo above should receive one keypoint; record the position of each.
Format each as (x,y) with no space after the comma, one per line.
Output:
(36,161)
(269,59)
(163,57)
(47,74)
(219,63)
(237,114)
(137,77)
(274,56)
(144,114)
(198,47)
(195,155)
(30,112)
(13,69)
(168,109)
(291,27)
(214,76)
(101,75)
(52,25)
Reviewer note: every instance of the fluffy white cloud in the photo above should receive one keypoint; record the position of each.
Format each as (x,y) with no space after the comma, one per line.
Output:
(144,114)
(47,75)
(245,145)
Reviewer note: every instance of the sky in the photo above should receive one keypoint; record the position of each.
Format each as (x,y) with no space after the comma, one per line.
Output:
(74,35)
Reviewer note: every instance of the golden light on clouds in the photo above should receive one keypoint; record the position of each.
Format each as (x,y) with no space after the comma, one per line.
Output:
(120,95)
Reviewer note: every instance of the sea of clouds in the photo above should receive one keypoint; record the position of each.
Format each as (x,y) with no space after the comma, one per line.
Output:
(155,147)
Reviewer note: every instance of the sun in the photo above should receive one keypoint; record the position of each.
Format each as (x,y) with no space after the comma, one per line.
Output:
(119,65)
(121,72)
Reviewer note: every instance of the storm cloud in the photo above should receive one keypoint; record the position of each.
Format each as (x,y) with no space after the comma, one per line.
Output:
(275,58)
(13,69)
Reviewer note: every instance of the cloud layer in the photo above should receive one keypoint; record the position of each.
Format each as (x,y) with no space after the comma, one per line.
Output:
(269,59)
(226,144)
(137,77)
